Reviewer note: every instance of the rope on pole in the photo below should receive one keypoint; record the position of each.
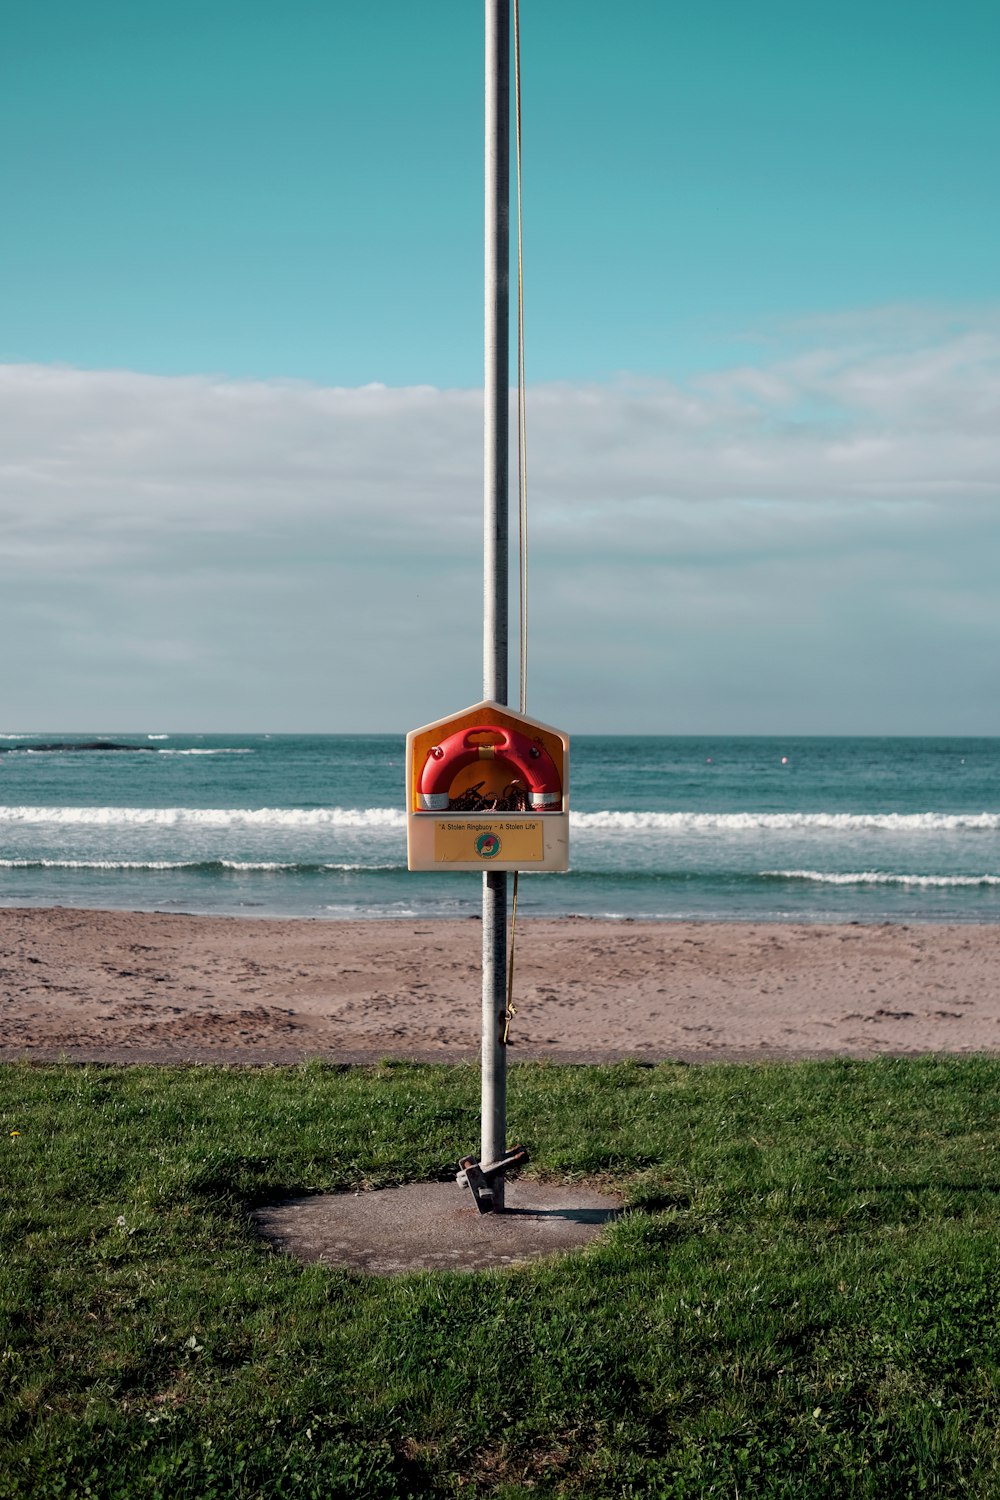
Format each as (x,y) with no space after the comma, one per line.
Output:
(522,487)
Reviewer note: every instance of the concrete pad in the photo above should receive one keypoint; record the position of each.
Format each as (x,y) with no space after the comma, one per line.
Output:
(435,1226)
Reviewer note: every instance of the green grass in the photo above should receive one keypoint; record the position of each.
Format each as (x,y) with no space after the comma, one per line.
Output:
(803,1301)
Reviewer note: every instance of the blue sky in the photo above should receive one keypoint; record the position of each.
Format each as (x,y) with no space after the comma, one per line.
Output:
(763,324)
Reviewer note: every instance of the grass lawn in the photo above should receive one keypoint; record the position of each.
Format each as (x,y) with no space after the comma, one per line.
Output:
(803,1301)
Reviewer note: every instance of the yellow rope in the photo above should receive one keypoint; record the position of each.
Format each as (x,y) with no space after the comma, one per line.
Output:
(522,485)
(510,1012)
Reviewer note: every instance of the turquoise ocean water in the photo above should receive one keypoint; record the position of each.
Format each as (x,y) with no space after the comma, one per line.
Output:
(313,826)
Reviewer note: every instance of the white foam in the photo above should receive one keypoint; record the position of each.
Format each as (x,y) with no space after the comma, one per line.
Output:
(881,877)
(234,750)
(241,866)
(95,864)
(215,817)
(264,865)
(583,822)
(746,822)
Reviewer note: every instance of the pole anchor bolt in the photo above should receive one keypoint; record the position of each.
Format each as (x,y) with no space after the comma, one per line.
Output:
(481,1179)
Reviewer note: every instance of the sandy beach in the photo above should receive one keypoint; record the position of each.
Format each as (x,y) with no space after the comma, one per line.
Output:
(156,987)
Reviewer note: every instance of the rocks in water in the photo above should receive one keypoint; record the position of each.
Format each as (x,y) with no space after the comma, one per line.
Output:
(74,745)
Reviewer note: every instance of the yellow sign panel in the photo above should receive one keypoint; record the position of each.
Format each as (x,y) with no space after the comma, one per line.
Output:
(462,840)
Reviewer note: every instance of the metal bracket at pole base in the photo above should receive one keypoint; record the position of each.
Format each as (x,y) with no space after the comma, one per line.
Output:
(480,1179)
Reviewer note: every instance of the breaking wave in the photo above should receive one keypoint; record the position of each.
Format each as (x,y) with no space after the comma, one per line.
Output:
(215,817)
(881,877)
(206,866)
(583,822)
(739,822)
(231,750)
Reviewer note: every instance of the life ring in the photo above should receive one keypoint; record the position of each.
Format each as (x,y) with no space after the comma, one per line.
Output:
(528,758)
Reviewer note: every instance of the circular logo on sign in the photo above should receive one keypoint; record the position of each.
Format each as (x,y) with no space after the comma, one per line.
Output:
(488,845)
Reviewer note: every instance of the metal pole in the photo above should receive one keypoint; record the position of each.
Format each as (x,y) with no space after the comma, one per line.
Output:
(495,450)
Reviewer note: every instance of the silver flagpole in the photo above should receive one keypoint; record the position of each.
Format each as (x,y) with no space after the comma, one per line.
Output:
(495,543)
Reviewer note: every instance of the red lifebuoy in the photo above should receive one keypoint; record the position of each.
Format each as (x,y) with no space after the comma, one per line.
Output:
(528,758)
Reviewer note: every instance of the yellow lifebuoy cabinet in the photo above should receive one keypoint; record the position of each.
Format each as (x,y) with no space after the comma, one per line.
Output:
(487,789)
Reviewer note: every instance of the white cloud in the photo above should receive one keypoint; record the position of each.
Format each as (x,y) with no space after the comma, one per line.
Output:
(274,554)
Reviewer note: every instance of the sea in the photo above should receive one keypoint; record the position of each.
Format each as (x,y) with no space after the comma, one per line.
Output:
(661,828)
